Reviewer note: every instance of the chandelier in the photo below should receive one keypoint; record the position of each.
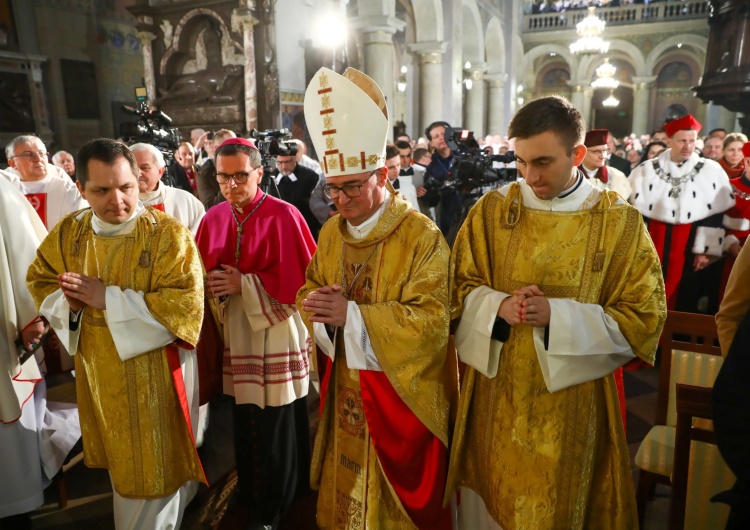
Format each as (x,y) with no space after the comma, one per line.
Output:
(605,76)
(589,31)
(611,101)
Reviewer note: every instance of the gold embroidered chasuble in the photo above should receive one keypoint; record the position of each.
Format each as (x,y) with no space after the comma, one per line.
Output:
(559,460)
(131,420)
(402,293)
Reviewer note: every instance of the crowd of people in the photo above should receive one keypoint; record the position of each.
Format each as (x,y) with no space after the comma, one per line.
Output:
(358,267)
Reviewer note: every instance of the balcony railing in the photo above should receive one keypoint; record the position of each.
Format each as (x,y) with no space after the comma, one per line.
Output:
(665,11)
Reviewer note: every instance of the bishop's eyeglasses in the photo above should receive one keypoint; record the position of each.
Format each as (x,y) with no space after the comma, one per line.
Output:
(350,190)
(239,178)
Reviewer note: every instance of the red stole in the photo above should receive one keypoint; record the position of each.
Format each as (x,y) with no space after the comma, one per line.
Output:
(276,244)
(39,203)
(414,460)
(601,174)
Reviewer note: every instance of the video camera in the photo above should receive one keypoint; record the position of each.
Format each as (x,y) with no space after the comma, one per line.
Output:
(153,128)
(272,143)
(473,167)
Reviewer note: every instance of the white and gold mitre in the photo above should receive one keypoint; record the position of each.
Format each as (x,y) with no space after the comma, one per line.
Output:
(347,119)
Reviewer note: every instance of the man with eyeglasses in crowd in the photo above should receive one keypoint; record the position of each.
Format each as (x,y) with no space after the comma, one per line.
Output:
(296,183)
(595,168)
(52,196)
(375,302)
(256,248)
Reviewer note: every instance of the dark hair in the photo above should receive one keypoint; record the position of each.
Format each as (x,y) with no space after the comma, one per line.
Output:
(391,151)
(434,124)
(403,144)
(103,150)
(236,149)
(648,148)
(419,153)
(714,131)
(658,131)
(553,113)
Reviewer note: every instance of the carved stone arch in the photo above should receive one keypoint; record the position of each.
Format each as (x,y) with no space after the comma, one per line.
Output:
(428,15)
(696,43)
(529,58)
(473,45)
(230,49)
(494,46)
(620,49)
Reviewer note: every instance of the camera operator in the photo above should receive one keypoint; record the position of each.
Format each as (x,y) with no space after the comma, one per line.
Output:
(445,200)
(296,184)
(183,169)
(209,191)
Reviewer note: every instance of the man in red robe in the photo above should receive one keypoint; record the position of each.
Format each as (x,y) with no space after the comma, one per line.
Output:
(682,198)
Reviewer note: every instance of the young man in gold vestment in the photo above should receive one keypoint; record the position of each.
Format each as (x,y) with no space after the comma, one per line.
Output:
(376,303)
(122,286)
(556,284)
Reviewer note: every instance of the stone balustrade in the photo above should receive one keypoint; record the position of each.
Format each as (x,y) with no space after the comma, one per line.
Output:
(665,11)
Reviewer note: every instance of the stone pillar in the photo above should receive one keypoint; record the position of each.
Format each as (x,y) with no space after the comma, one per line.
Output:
(474,112)
(244,22)
(641,104)
(146,38)
(496,108)
(430,59)
(377,44)
(588,96)
(576,96)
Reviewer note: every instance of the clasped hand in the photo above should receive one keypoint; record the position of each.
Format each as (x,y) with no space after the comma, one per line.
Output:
(527,305)
(328,305)
(225,281)
(81,290)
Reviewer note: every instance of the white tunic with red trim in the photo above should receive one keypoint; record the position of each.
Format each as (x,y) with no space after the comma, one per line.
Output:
(266,348)
(737,218)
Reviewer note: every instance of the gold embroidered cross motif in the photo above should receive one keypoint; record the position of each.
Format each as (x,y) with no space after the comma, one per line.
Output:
(328,122)
(325,101)
(372,160)
(323,80)
(330,143)
(333,162)
(352,161)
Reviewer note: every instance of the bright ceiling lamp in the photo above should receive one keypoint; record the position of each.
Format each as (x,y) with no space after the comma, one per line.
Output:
(605,76)
(590,31)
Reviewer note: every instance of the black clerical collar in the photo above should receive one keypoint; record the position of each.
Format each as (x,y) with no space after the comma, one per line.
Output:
(573,188)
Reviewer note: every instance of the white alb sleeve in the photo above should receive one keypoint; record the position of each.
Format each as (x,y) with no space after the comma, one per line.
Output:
(584,344)
(56,310)
(323,340)
(474,342)
(134,330)
(359,352)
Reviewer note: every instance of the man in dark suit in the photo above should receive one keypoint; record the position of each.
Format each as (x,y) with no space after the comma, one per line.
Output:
(183,169)
(615,161)
(296,184)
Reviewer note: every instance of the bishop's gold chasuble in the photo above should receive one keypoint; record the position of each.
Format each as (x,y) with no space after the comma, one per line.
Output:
(543,460)
(398,277)
(131,419)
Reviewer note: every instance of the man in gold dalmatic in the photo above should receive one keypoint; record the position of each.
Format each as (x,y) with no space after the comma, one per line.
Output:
(556,284)
(122,286)
(376,303)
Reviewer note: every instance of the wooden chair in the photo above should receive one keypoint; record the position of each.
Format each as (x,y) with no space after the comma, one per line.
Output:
(692,402)
(690,354)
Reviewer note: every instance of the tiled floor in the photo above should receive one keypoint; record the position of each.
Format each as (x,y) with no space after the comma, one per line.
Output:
(90,504)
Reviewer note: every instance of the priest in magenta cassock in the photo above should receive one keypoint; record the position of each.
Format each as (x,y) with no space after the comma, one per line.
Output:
(256,248)
(376,301)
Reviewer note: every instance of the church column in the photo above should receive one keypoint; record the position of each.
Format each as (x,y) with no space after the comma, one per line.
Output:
(146,38)
(576,96)
(377,43)
(430,58)
(641,104)
(475,99)
(588,96)
(495,119)
(244,22)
